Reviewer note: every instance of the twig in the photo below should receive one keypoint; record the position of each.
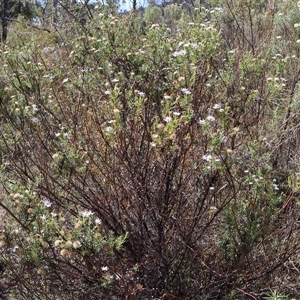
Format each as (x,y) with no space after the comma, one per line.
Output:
(245,293)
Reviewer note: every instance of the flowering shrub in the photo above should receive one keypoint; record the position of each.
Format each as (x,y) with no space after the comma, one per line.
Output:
(141,162)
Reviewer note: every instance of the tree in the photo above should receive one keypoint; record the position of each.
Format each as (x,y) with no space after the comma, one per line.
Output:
(11,9)
(4,19)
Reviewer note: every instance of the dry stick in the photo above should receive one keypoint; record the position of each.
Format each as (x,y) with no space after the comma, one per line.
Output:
(239,27)
(170,295)
(70,14)
(245,293)
(13,215)
(288,112)
(251,26)
(291,96)
(88,9)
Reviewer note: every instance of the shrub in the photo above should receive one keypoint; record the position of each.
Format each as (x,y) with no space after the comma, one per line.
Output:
(142,163)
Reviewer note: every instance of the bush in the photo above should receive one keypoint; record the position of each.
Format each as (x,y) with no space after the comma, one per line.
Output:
(142,163)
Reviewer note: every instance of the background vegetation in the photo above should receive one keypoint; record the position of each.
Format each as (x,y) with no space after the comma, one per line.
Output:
(151,155)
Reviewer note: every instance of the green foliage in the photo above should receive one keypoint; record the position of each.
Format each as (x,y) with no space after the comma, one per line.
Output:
(250,218)
(20,36)
(276,296)
(173,12)
(152,14)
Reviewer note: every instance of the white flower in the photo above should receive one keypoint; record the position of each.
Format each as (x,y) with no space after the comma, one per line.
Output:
(167,119)
(65,80)
(275,186)
(86,213)
(186,91)
(47,203)
(67,136)
(43,217)
(104,269)
(192,45)
(201,122)
(108,92)
(210,118)
(179,53)
(108,129)
(217,106)
(15,248)
(98,221)
(207,157)
(142,94)
(115,80)
(34,107)
(167,97)
(176,113)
